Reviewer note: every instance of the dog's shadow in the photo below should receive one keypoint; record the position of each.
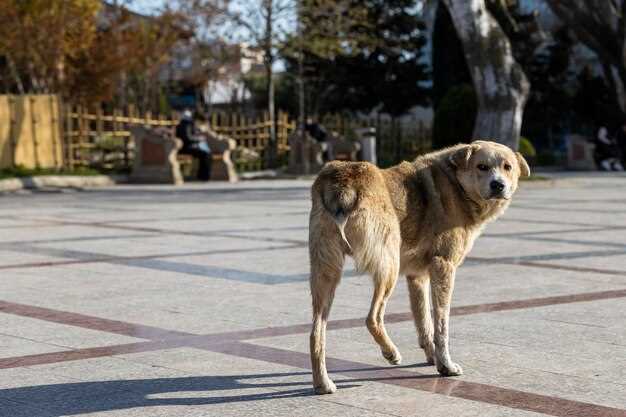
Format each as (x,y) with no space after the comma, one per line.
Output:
(66,399)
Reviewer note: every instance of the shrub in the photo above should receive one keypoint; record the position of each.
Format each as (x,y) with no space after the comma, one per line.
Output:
(547,159)
(526,148)
(454,119)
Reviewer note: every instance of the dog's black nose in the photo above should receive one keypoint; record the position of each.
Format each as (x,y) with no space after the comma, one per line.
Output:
(496,186)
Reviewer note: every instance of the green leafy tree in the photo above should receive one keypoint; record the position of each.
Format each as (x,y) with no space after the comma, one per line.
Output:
(594,103)
(369,55)
(549,108)
(448,62)
(454,117)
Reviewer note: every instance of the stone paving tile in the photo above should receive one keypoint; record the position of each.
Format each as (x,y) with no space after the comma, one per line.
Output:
(141,247)
(558,214)
(601,236)
(497,247)
(59,334)
(497,283)
(404,402)
(12,257)
(11,346)
(358,393)
(10,408)
(223,258)
(484,361)
(162,390)
(606,262)
(55,231)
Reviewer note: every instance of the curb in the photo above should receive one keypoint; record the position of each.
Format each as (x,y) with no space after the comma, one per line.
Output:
(58,181)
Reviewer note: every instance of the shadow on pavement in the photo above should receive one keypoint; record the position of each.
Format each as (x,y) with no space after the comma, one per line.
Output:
(56,400)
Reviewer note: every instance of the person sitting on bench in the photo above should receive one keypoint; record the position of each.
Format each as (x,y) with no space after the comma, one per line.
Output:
(194,144)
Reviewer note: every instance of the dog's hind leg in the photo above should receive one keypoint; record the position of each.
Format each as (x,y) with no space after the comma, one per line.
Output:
(384,282)
(325,275)
(419,288)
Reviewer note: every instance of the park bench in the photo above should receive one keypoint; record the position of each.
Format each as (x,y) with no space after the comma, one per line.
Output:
(580,153)
(305,154)
(185,162)
(222,167)
(342,149)
(155,159)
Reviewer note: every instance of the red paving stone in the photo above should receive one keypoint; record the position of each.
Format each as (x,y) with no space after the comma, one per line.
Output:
(237,343)
(231,343)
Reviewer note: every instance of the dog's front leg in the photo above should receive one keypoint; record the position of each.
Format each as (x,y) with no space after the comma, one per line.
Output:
(442,273)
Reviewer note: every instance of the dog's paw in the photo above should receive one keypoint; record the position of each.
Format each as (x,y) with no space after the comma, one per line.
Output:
(452,369)
(327,387)
(394,357)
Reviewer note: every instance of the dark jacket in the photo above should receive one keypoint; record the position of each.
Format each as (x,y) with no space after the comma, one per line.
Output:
(317,131)
(185,131)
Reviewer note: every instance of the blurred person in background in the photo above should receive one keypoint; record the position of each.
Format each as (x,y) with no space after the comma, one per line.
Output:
(194,143)
(620,137)
(607,152)
(319,133)
(316,130)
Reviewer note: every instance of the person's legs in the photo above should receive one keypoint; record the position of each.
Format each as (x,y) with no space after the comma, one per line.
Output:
(204,163)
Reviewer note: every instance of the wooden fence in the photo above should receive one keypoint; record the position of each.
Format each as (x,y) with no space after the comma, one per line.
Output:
(104,140)
(396,139)
(34,134)
(253,138)
(30,134)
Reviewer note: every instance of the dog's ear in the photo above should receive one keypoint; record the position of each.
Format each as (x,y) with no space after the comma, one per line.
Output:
(523,165)
(460,158)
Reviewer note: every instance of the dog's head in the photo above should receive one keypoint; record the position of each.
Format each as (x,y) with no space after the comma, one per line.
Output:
(488,171)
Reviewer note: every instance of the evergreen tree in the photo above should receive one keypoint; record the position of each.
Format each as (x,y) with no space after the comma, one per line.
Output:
(449,66)
(453,96)
(550,100)
(371,58)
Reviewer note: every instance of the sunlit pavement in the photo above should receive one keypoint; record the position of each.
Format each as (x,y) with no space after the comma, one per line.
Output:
(194,301)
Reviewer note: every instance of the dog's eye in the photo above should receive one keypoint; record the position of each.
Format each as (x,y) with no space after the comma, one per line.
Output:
(507,167)
(483,167)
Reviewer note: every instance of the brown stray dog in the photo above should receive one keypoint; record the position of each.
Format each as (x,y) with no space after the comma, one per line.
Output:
(417,218)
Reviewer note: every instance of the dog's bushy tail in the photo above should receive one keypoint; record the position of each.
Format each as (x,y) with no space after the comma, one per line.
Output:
(339,201)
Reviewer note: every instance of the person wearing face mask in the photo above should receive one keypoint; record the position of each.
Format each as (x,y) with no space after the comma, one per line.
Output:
(194,144)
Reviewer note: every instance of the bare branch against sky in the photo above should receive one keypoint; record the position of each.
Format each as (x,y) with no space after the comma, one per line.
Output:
(147,6)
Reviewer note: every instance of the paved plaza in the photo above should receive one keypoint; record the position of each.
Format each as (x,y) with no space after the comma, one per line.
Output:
(194,301)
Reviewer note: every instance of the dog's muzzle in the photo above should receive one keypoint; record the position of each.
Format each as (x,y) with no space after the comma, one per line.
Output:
(497,189)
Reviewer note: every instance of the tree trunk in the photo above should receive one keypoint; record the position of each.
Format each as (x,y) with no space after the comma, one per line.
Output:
(270,101)
(301,103)
(269,71)
(500,84)
(616,80)
(16,75)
